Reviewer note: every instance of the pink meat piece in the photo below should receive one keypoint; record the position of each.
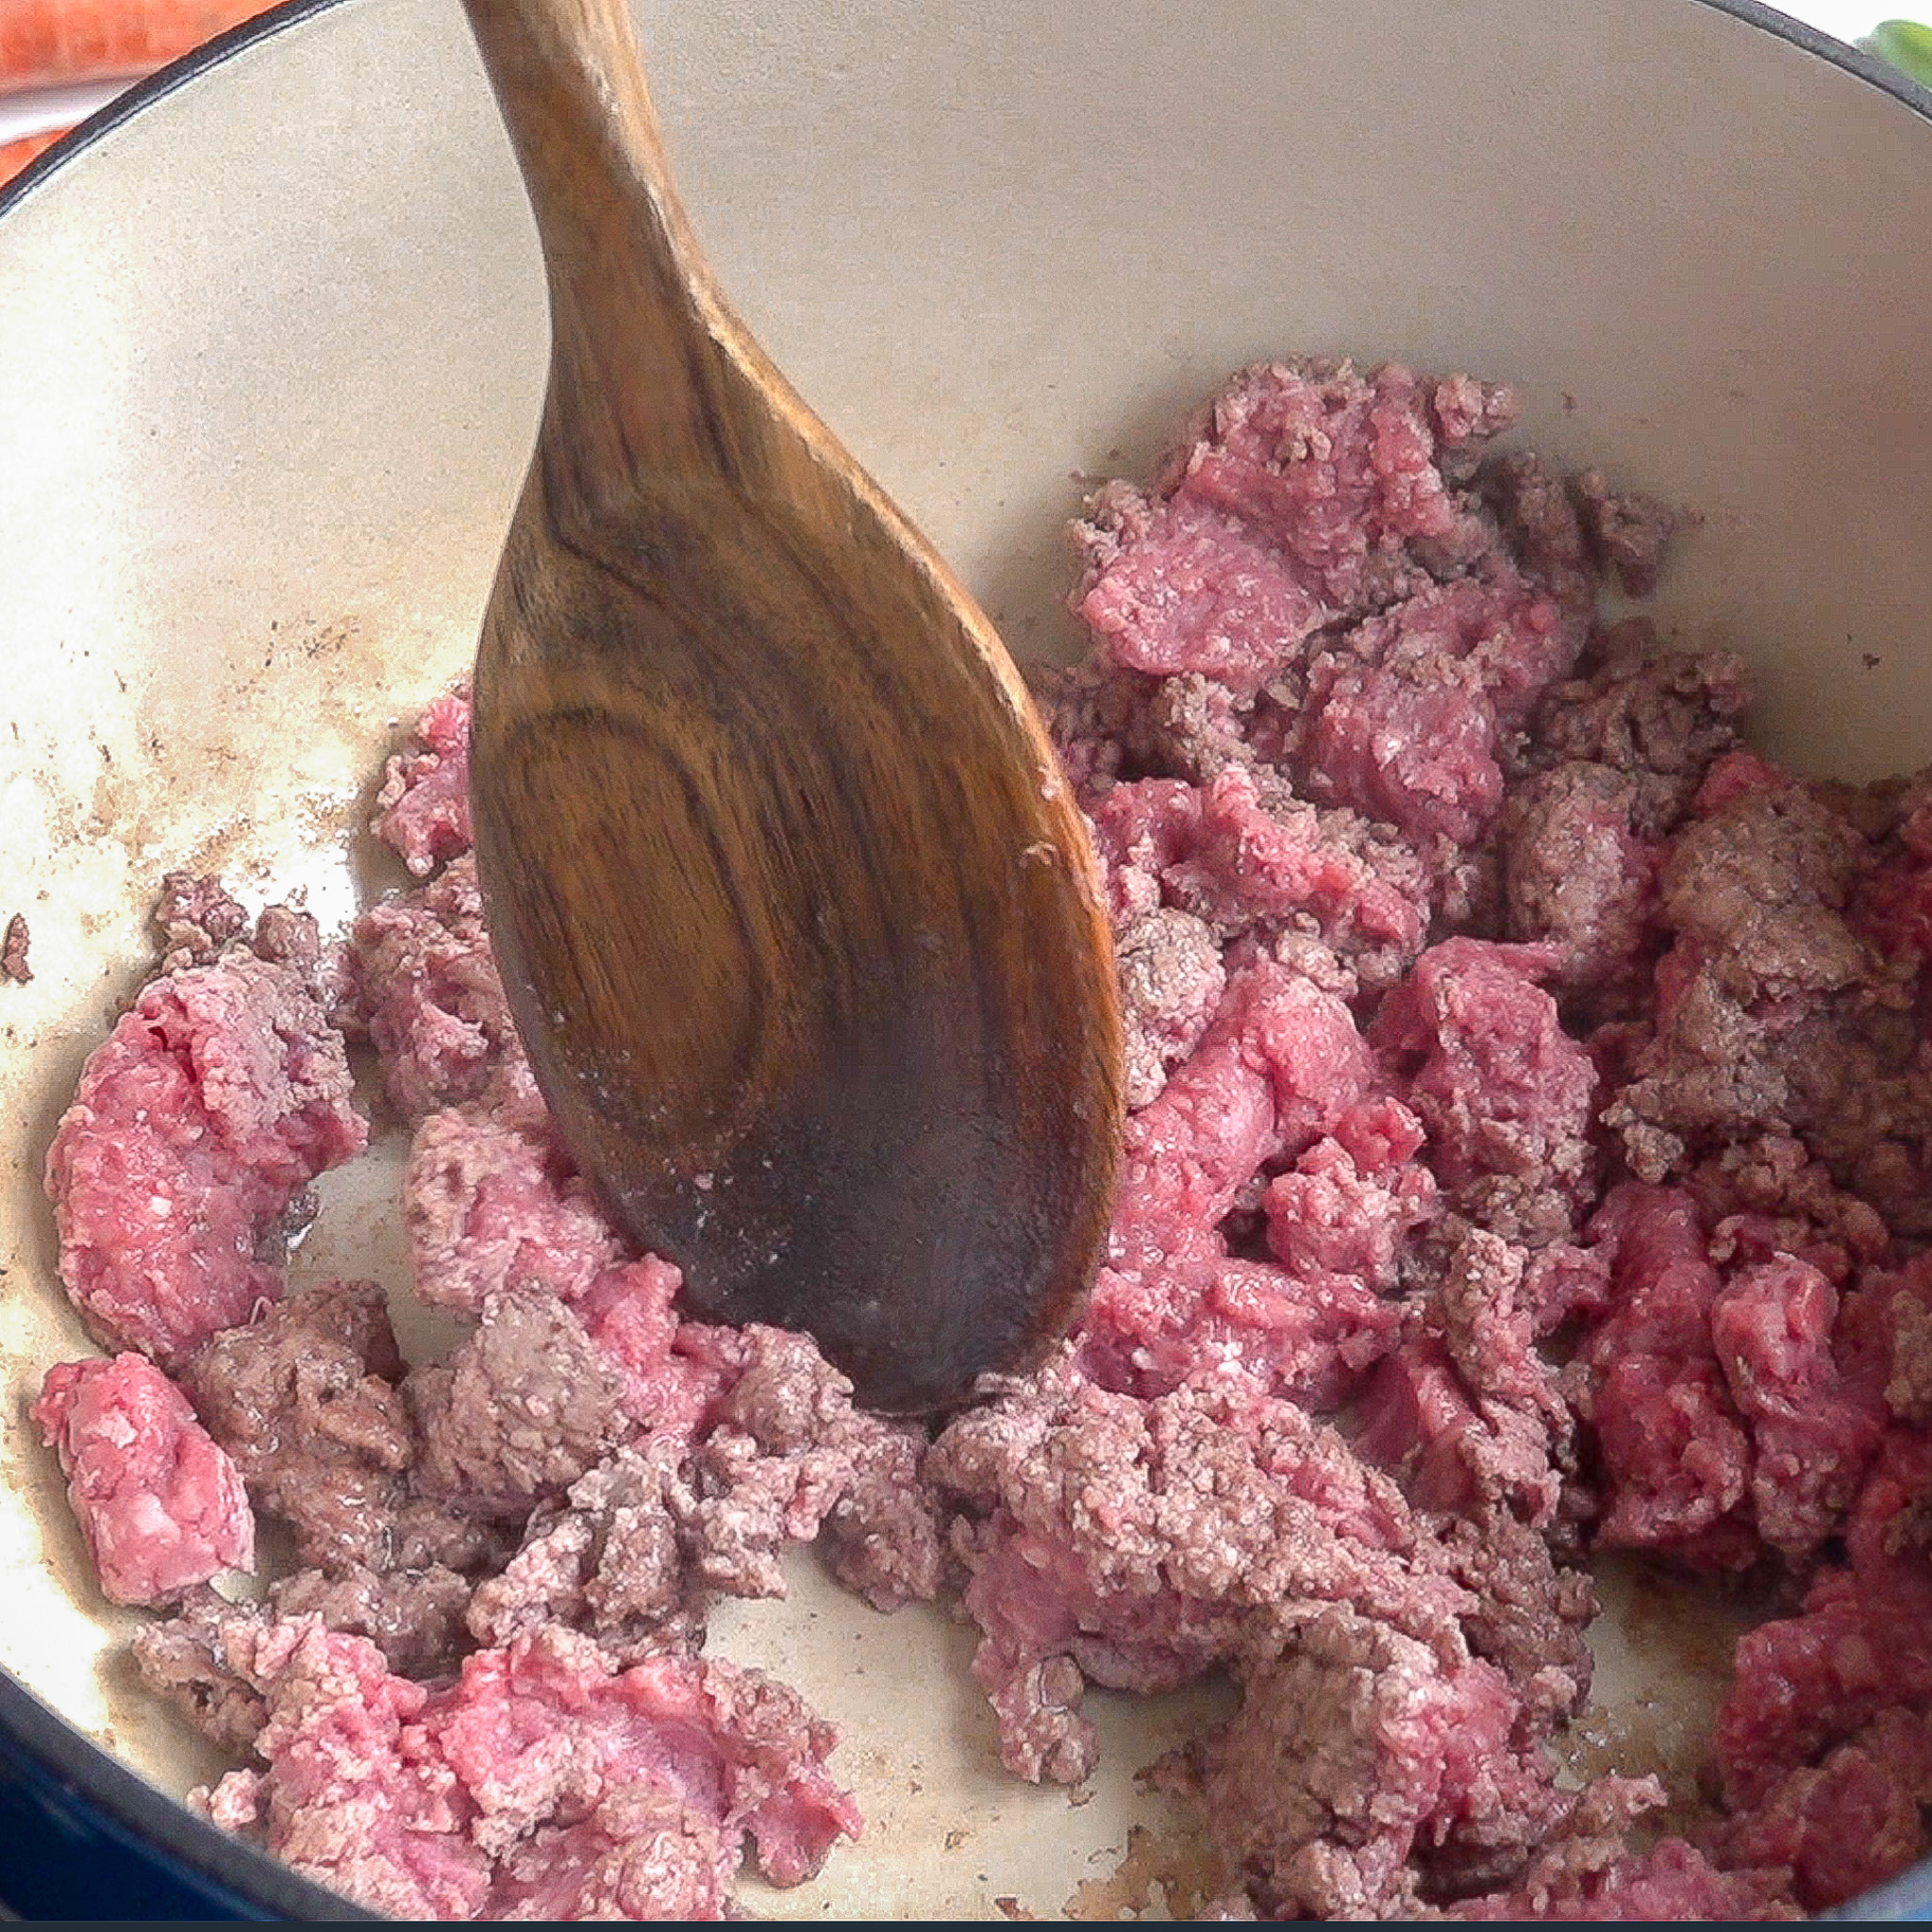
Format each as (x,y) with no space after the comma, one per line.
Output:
(1202,1316)
(1883,1338)
(1860,1644)
(1464,1410)
(161,1506)
(1674,1453)
(422,809)
(1185,587)
(493,1204)
(424,983)
(198,1122)
(531,1730)
(671,1371)
(1848,1824)
(1506,1096)
(1302,493)
(443,1804)
(1332,1215)
(1237,861)
(357,1793)
(1811,1436)
(1402,719)
(1669,1882)
(1281,1064)
(642,1853)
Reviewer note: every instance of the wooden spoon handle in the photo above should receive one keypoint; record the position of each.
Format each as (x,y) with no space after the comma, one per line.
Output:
(646,357)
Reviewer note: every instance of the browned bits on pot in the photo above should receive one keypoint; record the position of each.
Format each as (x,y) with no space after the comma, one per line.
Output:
(13,949)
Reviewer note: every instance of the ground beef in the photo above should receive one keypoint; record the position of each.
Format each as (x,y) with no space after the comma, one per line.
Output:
(159,1505)
(1771,1011)
(422,809)
(13,949)
(1579,879)
(543,1780)
(423,985)
(413,1617)
(1355,1748)
(1528,1157)
(1626,532)
(492,1205)
(199,1122)
(304,1400)
(1505,1095)
(199,919)
(521,1410)
(1660,719)
(643,1541)
(1139,1543)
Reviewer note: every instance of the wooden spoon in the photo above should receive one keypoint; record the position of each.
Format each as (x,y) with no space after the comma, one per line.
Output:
(796,917)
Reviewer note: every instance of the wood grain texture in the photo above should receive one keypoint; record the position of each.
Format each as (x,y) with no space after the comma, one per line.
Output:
(796,916)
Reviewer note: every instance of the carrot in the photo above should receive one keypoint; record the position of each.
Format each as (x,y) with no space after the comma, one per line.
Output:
(50,42)
(15,154)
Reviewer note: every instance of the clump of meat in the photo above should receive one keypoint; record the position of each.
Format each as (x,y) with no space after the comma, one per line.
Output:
(159,1504)
(543,1783)
(199,1125)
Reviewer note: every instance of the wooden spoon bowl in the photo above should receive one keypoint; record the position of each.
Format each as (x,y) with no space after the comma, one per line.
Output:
(796,917)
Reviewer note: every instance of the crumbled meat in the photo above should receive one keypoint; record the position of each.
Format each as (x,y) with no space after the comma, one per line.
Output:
(1577,877)
(415,1617)
(1773,1013)
(199,1122)
(521,1409)
(159,1505)
(13,949)
(304,1400)
(1671,1881)
(1504,1092)
(1139,1543)
(494,1204)
(423,984)
(514,1790)
(1660,718)
(1847,1824)
(1355,1748)
(1626,532)
(1172,978)
(197,918)
(1464,1411)
(422,809)
(1811,1435)
(642,1541)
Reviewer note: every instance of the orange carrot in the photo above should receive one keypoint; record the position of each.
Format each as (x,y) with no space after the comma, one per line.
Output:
(50,42)
(15,154)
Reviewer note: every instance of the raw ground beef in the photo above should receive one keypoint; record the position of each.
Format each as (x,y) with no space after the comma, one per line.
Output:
(160,1505)
(1528,1155)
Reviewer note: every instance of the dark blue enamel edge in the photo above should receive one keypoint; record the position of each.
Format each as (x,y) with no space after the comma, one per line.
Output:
(128,103)
(84,1836)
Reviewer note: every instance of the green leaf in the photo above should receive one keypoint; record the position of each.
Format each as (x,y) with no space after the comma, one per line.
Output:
(1906,45)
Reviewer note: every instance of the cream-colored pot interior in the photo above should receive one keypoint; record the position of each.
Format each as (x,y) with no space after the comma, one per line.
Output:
(270,357)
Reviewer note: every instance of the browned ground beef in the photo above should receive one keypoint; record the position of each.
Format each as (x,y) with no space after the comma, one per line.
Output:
(1531,1124)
